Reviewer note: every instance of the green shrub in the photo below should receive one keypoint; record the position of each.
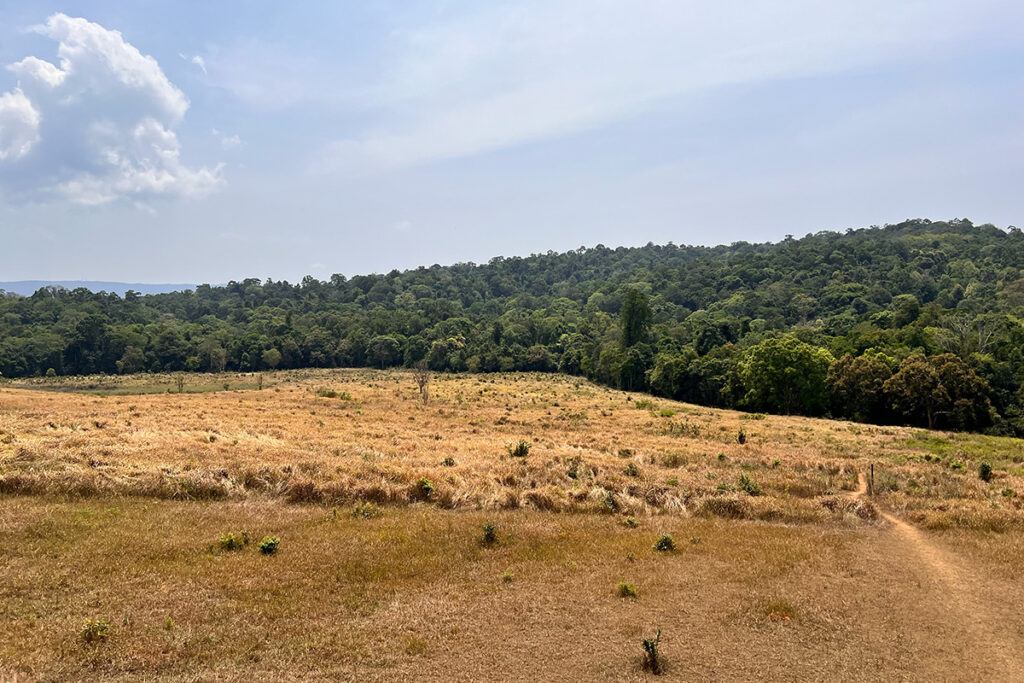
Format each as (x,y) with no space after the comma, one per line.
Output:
(625,590)
(672,481)
(1009,493)
(609,502)
(269,545)
(631,470)
(364,509)
(519,449)
(448,462)
(985,471)
(665,543)
(749,486)
(507,577)
(424,489)
(50,372)
(233,541)
(630,522)
(490,536)
(652,658)
(95,631)
(741,437)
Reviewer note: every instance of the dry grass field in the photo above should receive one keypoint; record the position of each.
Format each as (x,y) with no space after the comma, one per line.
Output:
(121,499)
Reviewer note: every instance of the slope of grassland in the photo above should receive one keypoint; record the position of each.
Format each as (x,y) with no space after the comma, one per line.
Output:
(112,507)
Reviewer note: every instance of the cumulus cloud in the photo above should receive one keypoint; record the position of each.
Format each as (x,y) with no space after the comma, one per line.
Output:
(96,127)
(19,125)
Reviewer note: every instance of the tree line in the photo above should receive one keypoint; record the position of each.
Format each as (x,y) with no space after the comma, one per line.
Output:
(916,323)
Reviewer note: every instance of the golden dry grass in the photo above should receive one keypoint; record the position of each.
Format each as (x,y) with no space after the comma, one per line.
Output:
(378,441)
(111,507)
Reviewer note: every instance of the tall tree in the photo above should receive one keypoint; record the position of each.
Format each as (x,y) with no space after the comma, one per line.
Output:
(635,317)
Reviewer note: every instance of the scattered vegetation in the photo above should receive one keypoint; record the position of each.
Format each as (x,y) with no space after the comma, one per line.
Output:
(652,656)
(364,509)
(490,535)
(232,541)
(625,590)
(665,543)
(269,545)
(749,486)
(95,631)
(519,449)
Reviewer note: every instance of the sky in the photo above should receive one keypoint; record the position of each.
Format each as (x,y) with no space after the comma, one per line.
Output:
(212,141)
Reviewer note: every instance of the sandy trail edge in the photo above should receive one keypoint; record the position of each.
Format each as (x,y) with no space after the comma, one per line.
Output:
(959,589)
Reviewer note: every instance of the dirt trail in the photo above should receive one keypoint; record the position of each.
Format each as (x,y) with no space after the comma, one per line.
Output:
(958,588)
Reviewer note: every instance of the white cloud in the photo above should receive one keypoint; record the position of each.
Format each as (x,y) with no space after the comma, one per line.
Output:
(228,141)
(484,76)
(96,128)
(195,59)
(19,125)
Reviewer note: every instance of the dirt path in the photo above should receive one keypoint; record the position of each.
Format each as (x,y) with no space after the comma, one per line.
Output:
(999,651)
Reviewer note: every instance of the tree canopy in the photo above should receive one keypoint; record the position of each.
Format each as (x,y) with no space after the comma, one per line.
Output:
(855,324)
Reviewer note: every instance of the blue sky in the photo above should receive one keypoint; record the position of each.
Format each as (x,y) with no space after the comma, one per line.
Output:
(208,141)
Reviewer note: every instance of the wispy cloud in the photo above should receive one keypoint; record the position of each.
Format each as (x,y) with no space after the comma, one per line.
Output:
(484,76)
(195,59)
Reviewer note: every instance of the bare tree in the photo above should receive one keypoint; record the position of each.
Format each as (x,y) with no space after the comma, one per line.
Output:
(967,333)
(421,374)
(986,329)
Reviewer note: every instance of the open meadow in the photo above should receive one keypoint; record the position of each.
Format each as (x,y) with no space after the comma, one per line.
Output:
(513,527)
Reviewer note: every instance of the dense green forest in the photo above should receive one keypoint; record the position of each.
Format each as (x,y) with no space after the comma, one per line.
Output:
(916,323)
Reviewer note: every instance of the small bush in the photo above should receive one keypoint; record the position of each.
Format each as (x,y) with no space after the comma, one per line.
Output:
(630,522)
(490,536)
(610,503)
(749,486)
(665,543)
(741,437)
(448,462)
(508,576)
(364,509)
(625,590)
(631,470)
(233,541)
(269,545)
(1009,493)
(519,449)
(95,631)
(985,471)
(424,488)
(652,658)
(672,481)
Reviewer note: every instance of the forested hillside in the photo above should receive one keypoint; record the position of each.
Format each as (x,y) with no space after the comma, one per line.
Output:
(917,323)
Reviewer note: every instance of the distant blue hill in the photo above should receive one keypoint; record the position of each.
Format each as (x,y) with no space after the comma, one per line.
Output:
(29,287)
